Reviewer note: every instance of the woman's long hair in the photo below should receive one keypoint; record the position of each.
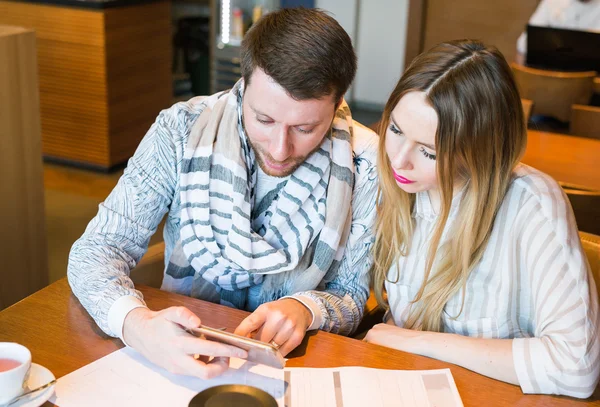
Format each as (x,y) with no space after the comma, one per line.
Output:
(480,138)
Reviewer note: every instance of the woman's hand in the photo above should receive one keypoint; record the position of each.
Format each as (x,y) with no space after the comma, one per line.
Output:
(489,357)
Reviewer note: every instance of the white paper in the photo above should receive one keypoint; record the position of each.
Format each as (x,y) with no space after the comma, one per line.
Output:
(125,378)
(364,387)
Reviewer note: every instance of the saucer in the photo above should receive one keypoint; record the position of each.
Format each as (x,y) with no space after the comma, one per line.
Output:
(38,376)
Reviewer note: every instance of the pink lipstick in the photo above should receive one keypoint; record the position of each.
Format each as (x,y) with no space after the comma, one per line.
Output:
(401,179)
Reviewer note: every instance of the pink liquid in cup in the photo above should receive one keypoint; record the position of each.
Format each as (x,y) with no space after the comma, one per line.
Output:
(8,364)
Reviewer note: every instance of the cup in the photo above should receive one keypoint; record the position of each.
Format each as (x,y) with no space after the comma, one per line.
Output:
(15,362)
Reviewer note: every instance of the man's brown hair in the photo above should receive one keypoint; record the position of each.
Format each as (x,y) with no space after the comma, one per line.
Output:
(305,51)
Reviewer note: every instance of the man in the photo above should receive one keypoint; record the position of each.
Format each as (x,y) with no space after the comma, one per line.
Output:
(583,15)
(258,183)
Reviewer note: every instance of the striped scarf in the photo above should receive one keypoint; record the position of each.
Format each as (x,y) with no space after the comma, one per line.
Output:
(293,243)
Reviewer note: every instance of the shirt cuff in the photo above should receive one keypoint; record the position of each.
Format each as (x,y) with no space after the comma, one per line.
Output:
(528,358)
(312,306)
(119,310)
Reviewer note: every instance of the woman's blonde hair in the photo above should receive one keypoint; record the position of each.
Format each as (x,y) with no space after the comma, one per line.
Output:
(480,138)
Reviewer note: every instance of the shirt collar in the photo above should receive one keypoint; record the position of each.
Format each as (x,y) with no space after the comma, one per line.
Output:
(424,209)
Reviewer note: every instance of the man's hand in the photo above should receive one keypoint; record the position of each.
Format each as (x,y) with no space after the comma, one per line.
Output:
(162,339)
(283,322)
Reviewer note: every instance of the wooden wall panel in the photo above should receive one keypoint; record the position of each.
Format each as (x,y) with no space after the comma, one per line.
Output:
(73,93)
(22,233)
(414,30)
(58,23)
(496,23)
(104,76)
(138,60)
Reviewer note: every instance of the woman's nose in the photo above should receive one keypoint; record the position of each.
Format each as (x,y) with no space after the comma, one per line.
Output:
(402,158)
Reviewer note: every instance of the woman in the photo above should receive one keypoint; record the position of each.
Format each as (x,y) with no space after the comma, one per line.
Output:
(479,255)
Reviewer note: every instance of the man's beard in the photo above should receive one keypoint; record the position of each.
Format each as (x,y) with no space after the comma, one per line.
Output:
(292,164)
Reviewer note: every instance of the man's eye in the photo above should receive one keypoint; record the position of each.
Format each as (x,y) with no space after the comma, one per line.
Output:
(304,130)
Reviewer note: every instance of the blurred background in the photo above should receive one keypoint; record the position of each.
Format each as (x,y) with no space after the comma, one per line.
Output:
(81,81)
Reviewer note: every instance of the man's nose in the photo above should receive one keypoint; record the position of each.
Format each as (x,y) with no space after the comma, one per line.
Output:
(280,148)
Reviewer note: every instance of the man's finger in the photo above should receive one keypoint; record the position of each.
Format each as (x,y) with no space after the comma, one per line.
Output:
(272,327)
(182,316)
(196,346)
(194,367)
(292,343)
(220,360)
(251,323)
(216,367)
(283,334)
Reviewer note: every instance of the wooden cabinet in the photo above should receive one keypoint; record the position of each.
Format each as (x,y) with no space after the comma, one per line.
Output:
(104,75)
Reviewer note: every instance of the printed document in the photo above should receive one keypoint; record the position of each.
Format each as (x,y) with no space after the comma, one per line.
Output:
(125,378)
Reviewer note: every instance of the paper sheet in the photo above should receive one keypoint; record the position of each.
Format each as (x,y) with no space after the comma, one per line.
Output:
(125,378)
(360,387)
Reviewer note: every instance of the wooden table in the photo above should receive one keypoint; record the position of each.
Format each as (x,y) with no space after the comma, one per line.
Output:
(575,160)
(62,337)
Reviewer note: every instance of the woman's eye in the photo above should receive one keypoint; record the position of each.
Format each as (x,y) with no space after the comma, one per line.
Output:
(428,155)
(395,130)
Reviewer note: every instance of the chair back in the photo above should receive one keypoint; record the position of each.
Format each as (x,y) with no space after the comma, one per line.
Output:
(150,269)
(585,121)
(586,207)
(552,92)
(591,246)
